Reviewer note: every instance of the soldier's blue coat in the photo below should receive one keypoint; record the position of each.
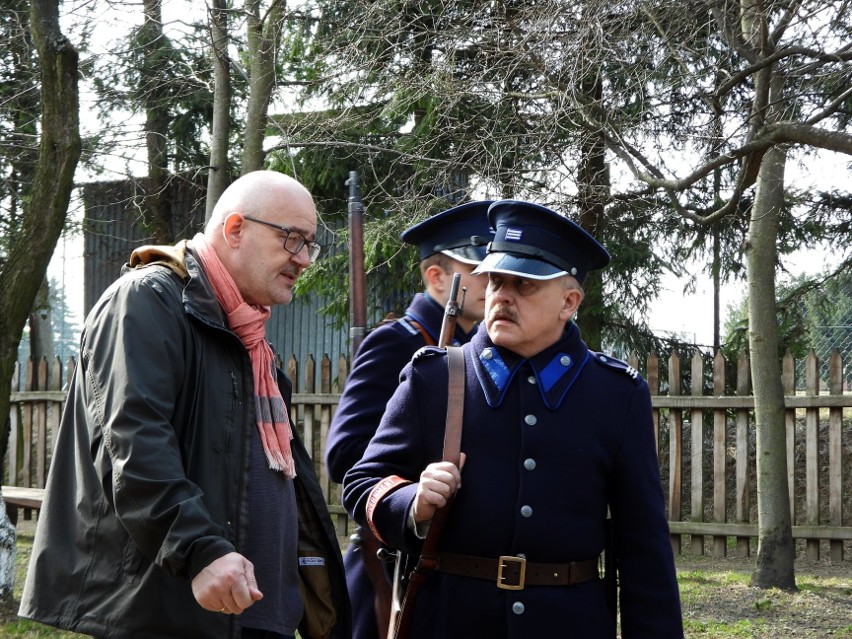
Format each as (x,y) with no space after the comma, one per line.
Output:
(550,442)
(371,383)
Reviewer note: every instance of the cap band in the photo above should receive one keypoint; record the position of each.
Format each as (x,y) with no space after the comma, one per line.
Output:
(510,264)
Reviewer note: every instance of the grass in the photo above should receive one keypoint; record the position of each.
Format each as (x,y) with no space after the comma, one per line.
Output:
(717,601)
(12,625)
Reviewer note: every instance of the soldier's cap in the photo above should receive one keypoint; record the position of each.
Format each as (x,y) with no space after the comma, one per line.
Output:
(533,241)
(462,233)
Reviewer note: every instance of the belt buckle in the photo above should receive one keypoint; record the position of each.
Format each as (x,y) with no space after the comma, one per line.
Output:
(505,560)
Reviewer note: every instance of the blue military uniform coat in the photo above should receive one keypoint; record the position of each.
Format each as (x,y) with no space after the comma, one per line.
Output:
(371,383)
(550,442)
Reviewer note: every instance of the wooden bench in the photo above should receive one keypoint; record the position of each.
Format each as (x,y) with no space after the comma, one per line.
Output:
(19,497)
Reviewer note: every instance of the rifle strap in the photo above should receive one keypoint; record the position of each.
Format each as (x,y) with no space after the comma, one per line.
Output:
(423,333)
(452,452)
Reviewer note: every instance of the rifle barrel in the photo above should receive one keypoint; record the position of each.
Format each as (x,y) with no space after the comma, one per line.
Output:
(357,279)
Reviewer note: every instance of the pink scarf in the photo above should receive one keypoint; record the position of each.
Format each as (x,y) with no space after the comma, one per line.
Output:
(249,323)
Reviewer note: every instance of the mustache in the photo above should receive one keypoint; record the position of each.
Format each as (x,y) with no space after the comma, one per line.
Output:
(503,313)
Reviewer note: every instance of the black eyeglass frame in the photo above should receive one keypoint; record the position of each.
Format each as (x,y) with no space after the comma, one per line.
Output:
(314,249)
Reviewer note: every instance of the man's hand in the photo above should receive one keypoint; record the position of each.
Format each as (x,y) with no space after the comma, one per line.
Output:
(227,585)
(438,483)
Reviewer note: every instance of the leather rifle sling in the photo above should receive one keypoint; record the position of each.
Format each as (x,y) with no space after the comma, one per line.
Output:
(389,622)
(452,452)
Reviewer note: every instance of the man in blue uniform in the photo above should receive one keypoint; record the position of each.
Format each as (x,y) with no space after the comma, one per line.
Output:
(553,436)
(449,242)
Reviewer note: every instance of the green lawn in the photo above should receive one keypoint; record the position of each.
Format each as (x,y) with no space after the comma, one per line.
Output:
(718,602)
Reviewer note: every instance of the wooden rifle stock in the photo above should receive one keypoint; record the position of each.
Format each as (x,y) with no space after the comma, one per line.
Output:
(452,311)
(369,545)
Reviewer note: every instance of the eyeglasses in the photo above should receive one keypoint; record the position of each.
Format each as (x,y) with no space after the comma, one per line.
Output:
(293,240)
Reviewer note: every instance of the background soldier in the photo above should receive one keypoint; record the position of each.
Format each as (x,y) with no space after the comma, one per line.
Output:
(449,242)
(553,436)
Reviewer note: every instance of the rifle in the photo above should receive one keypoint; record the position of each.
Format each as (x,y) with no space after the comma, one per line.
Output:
(452,311)
(363,537)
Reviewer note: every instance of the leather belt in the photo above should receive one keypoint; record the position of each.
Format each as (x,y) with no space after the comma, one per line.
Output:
(513,573)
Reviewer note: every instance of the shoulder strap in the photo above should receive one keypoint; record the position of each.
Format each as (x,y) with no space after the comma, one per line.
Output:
(455,404)
(401,627)
(452,446)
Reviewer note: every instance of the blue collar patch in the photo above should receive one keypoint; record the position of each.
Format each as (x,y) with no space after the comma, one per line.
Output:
(554,377)
(554,371)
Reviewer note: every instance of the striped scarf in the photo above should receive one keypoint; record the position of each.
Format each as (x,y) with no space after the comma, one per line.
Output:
(249,324)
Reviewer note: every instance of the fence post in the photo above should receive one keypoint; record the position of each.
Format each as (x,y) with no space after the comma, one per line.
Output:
(27,427)
(293,372)
(675,450)
(743,505)
(788,382)
(812,454)
(41,426)
(653,379)
(342,372)
(325,422)
(696,419)
(14,424)
(308,411)
(835,454)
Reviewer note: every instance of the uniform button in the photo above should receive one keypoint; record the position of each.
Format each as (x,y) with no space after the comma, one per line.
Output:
(526,511)
(487,353)
(565,360)
(531,379)
(529,464)
(602,358)
(530,420)
(518,608)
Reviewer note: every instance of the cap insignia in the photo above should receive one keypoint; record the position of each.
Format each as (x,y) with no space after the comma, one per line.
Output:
(514,234)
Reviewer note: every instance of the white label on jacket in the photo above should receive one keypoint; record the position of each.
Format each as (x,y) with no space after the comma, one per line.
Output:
(312,561)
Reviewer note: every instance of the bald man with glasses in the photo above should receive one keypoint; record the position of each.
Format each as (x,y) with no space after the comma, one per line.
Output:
(180,500)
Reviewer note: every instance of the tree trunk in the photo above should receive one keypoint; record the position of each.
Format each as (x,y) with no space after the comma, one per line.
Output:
(157,207)
(264,37)
(30,249)
(593,193)
(219,175)
(775,549)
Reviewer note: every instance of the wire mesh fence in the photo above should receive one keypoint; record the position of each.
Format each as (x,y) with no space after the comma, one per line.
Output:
(825,340)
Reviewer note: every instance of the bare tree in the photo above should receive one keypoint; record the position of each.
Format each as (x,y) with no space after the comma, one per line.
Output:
(29,250)
(264,43)
(786,70)
(219,168)
(648,121)
(444,101)
(157,206)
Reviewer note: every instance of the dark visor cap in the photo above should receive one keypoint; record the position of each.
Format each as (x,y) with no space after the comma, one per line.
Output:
(462,232)
(533,241)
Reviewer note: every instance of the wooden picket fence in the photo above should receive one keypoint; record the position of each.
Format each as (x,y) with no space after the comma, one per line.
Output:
(703,422)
